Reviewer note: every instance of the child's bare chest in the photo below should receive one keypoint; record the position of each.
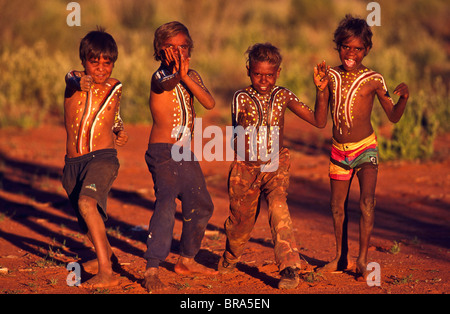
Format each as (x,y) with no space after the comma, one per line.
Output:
(96,105)
(267,110)
(350,93)
(182,111)
(91,114)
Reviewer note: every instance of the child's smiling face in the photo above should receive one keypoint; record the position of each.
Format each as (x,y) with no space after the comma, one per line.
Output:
(100,69)
(351,53)
(263,75)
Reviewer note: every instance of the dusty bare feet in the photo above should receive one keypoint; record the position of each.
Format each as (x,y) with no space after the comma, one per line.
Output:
(92,265)
(101,280)
(152,281)
(335,266)
(187,266)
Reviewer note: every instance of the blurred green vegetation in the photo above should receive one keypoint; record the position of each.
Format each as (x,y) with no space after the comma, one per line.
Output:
(412,45)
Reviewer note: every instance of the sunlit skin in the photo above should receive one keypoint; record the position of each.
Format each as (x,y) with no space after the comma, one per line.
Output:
(260,109)
(162,105)
(351,53)
(96,81)
(263,76)
(164,108)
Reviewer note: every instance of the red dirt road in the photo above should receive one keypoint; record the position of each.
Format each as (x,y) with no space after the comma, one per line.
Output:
(39,235)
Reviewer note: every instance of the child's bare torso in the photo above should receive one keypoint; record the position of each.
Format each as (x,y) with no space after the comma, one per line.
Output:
(90,117)
(250,109)
(352,102)
(173,114)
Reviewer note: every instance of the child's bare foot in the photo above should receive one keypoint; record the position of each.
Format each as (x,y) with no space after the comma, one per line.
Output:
(152,281)
(92,265)
(362,275)
(335,266)
(361,271)
(101,280)
(187,266)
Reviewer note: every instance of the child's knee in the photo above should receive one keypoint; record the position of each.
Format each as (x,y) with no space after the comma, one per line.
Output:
(87,205)
(209,207)
(278,210)
(337,207)
(205,212)
(367,205)
(368,202)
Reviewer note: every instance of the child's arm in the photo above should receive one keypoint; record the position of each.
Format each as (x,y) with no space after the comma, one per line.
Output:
(321,80)
(118,127)
(78,82)
(321,107)
(318,117)
(393,112)
(164,81)
(195,84)
(167,77)
(320,77)
(121,138)
(72,81)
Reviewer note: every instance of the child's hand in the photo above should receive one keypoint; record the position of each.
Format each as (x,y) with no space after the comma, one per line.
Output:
(121,138)
(402,90)
(85,83)
(184,65)
(321,75)
(171,59)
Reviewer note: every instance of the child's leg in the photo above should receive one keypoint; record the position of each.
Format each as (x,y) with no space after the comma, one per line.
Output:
(275,186)
(159,239)
(160,231)
(239,225)
(166,182)
(89,212)
(244,193)
(367,180)
(339,200)
(286,253)
(92,265)
(197,209)
(88,180)
(165,178)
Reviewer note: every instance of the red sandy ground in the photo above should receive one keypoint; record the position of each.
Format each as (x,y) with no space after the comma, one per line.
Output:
(39,235)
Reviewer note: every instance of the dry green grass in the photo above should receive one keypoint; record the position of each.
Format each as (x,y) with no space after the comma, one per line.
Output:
(411,45)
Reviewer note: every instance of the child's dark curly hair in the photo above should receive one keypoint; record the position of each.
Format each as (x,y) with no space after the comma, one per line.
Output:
(353,27)
(264,52)
(167,31)
(97,43)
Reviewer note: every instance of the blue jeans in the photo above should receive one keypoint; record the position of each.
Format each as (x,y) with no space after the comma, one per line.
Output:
(183,180)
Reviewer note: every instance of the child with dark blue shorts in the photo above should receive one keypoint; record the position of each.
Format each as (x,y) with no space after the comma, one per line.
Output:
(93,126)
